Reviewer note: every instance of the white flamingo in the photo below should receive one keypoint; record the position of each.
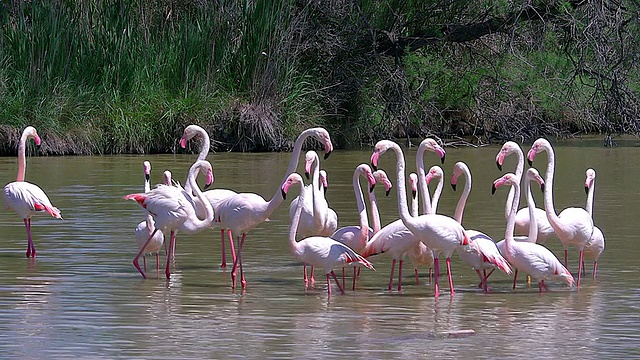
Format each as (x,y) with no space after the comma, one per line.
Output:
(145,228)
(481,253)
(174,210)
(25,198)
(435,172)
(574,225)
(214,196)
(595,246)
(319,251)
(545,230)
(530,257)
(242,212)
(439,233)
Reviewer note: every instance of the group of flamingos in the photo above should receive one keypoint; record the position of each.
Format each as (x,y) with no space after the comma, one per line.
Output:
(170,209)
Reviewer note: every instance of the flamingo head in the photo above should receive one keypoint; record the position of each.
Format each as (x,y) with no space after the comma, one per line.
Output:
(292,179)
(382,178)
(323,136)
(430,144)
(30,132)
(146,166)
(591,178)
(538,146)
(413,180)
(167,177)
(534,175)
(309,158)
(189,132)
(458,169)
(507,149)
(434,173)
(506,179)
(381,147)
(323,181)
(365,169)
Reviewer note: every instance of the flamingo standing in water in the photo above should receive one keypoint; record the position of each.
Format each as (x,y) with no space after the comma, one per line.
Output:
(145,228)
(534,259)
(174,210)
(356,236)
(574,226)
(482,253)
(214,196)
(242,212)
(545,230)
(595,246)
(25,198)
(319,251)
(439,233)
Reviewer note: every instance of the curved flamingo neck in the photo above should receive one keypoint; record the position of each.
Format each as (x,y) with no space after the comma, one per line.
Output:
(293,228)
(195,223)
(22,161)
(436,196)
(462,202)
(548,189)
(401,187)
(375,214)
(362,210)
(511,222)
(206,143)
(414,205)
(518,172)
(319,204)
(531,205)
(422,182)
(589,206)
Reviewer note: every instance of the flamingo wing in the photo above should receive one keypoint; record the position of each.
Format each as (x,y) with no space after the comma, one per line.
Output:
(27,199)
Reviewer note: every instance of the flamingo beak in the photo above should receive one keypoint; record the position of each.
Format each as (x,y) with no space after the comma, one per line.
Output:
(306,174)
(493,189)
(326,155)
(387,192)
(542,187)
(586,190)
(499,165)
(284,194)
(324,189)
(442,158)
(183,142)
(371,187)
(530,162)
(413,194)
(146,177)
(453,186)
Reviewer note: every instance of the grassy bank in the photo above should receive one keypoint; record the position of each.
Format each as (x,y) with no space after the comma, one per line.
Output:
(95,77)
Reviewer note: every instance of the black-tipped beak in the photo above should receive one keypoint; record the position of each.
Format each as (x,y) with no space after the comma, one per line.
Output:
(413,194)
(530,162)
(306,174)
(453,186)
(442,159)
(586,190)
(493,189)
(324,189)
(326,155)
(387,192)
(375,168)
(284,194)
(146,177)
(206,186)
(372,187)
(499,166)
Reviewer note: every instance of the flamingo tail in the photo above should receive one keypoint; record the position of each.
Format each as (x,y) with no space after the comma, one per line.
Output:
(139,198)
(52,210)
(359,259)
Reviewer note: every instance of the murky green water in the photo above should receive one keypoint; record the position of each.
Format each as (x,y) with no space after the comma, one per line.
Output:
(82,297)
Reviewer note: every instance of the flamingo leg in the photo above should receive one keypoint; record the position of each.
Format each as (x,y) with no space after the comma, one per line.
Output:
(232,249)
(312,280)
(170,255)
(542,285)
(238,262)
(31,249)
(304,274)
(335,278)
(450,276)
(400,274)
(144,262)
(417,278)
(580,264)
(355,276)
(515,277)
(329,286)
(393,266)
(224,255)
(566,259)
(595,269)
(436,265)
(158,261)
(141,253)
(481,278)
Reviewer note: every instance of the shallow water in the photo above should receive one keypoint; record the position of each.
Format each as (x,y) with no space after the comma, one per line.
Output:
(82,297)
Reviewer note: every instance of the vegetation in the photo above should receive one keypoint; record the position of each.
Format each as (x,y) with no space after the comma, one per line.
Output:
(126,77)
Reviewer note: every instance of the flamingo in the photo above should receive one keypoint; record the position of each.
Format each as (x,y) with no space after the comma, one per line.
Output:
(530,257)
(145,228)
(356,236)
(174,210)
(319,251)
(435,172)
(242,212)
(574,226)
(482,253)
(438,232)
(214,196)
(25,198)
(595,246)
(545,230)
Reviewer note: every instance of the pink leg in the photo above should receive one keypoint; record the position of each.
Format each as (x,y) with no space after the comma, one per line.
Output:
(238,262)
(144,262)
(400,275)
(141,253)
(566,259)
(542,285)
(232,247)
(583,268)
(436,276)
(595,269)
(335,278)
(450,276)
(173,250)
(312,279)
(393,266)
(486,276)
(31,249)
(580,263)
(329,286)
(515,277)
(417,278)
(481,278)
(304,274)
(224,255)
(158,261)
(170,255)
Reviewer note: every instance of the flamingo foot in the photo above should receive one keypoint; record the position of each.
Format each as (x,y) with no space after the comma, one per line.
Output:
(137,266)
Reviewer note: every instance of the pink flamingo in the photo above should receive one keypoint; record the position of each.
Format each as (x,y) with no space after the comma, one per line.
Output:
(214,196)
(574,226)
(545,230)
(25,198)
(145,228)
(532,258)
(595,246)
(242,212)
(174,210)
(356,236)
(482,253)
(439,233)
(319,251)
